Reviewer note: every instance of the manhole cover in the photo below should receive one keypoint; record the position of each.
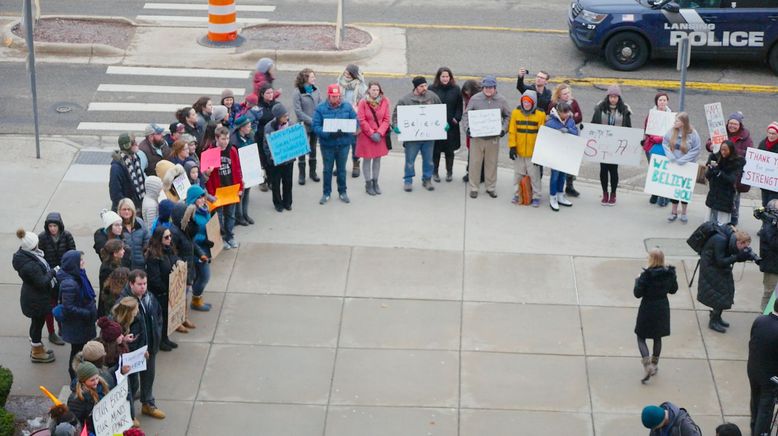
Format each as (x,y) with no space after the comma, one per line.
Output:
(675,247)
(63,109)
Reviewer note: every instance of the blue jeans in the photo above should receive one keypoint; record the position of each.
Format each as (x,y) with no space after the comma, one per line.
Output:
(335,156)
(411,150)
(227,220)
(203,277)
(557,182)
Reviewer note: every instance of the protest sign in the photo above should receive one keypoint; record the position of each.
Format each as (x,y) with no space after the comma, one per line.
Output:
(225,195)
(483,123)
(421,122)
(111,415)
(211,158)
(560,151)
(214,231)
(289,143)
(136,360)
(347,125)
(176,297)
(612,144)
(659,122)
(250,166)
(181,185)
(761,169)
(670,180)
(717,128)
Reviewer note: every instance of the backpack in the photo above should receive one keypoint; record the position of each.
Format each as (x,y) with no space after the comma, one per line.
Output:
(701,235)
(525,191)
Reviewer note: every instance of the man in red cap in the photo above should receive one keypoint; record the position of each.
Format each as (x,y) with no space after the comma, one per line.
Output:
(335,145)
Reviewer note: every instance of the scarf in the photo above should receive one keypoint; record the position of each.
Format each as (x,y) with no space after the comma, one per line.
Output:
(349,84)
(373,103)
(40,256)
(132,163)
(770,145)
(86,285)
(308,89)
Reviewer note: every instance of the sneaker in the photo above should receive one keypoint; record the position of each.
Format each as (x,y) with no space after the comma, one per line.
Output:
(163,346)
(492,194)
(473,194)
(241,222)
(554,203)
(288,207)
(563,201)
(535,202)
(672,217)
(324,198)
(344,198)
(152,411)
(279,208)
(427,184)
(515,199)
(571,192)
(612,199)
(227,246)
(407,187)
(684,219)
(233,243)
(449,177)
(55,339)
(653,199)
(436,178)
(605,199)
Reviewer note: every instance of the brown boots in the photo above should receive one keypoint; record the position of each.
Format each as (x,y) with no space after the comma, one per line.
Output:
(38,354)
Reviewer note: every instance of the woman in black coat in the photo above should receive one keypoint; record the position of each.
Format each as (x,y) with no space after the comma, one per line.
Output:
(160,260)
(716,286)
(611,111)
(54,241)
(652,287)
(723,172)
(38,287)
(450,94)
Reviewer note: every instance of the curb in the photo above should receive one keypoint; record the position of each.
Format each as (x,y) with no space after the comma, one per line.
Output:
(69,48)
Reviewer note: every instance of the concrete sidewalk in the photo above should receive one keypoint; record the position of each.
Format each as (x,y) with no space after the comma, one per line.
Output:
(409,313)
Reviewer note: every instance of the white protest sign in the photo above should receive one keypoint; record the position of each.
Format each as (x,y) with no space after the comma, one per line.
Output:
(659,122)
(761,169)
(560,151)
(670,180)
(111,415)
(181,184)
(347,125)
(612,144)
(250,166)
(483,123)
(136,360)
(714,115)
(421,122)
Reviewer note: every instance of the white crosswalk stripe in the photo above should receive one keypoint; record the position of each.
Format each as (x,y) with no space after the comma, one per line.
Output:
(155,89)
(161,19)
(180,72)
(135,107)
(204,7)
(196,14)
(114,127)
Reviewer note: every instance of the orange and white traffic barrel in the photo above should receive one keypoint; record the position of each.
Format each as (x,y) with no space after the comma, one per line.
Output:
(222,21)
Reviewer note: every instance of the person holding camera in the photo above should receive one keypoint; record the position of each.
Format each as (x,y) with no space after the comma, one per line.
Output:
(762,367)
(723,171)
(768,248)
(716,287)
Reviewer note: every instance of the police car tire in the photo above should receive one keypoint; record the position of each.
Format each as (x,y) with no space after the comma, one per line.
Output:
(772,59)
(626,37)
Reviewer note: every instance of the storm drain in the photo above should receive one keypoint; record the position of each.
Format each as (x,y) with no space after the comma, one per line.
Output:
(675,247)
(86,157)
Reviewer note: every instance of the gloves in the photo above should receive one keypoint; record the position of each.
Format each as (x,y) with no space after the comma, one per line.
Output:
(396,129)
(742,256)
(375,137)
(563,130)
(512,153)
(209,244)
(446,127)
(338,134)
(502,133)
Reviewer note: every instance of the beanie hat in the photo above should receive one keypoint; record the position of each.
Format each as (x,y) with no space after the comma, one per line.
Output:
(29,240)
(176,127)
(242,121)
(110,330)
(418,80)
(773,126)
(279,110)
(353,70)
(165,210)
(93,351)
(85,371)
(188,138)
(64,429)
(125,141)
(227,93)
(613,90)
(264,65)
(333,89)
(252,99)
(652,416)
(193,193)
(737,116)
(133,432)
(109,217)
(219,113)
(489,81)
(152,129)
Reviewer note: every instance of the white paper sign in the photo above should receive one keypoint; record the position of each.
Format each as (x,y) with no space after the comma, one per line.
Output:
(421,122)
(250,166)
(659,122)
(560,151)
(670,180)
(111,415)
(612,144)
(483,123)
(761,169)
(136,360)
(347,125)
(181,185)
(714,115)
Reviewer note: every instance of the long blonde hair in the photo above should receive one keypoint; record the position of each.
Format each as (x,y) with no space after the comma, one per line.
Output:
(558,90)
(125,312)
(687,128)
(81,387)
(656,258)
(128,203)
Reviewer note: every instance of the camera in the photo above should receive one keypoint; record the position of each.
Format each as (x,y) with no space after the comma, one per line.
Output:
(752,255)
(767,216)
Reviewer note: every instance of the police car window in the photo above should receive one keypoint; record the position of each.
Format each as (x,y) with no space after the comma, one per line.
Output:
(740,4)
(697,4)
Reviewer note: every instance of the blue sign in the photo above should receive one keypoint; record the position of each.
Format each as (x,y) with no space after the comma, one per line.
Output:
(289,143)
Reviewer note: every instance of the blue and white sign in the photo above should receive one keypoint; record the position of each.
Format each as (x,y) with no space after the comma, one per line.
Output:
(287,144)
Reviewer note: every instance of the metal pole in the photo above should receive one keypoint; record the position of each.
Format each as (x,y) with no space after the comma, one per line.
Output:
(684,55)
(339,25)
(28,25)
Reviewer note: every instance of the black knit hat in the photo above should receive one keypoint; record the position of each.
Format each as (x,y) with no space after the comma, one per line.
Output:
(418,80)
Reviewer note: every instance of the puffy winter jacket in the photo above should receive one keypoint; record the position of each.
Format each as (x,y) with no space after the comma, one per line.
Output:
(716,286)
(652,287)
(768,248)
(120,184)
(721,195)
(80,311)
(38,284)
(342,111)
(137,239)
(158,269)
(553,121)
(53,250)
(524,126)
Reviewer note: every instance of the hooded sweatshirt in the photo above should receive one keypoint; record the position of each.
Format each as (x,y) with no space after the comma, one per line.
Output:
(54,247)
(151,200)
(524,126)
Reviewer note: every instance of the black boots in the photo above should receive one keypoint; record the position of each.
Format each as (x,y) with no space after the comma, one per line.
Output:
(716,323)
(312,169)
(301,168)
(569,188)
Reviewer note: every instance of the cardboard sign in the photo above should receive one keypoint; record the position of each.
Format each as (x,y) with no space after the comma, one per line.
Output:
(421,122)
(250,166)
(560,151)
(225,195)
(112,414)
(717,127)
(214,232)
(288,144)
(176,300)
(612,144)
(211,158)
(483,123)
(181,185)
(761,169)
(347,125)
(670,180)
(659,122)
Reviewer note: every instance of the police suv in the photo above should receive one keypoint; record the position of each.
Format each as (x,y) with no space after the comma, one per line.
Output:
(630,32)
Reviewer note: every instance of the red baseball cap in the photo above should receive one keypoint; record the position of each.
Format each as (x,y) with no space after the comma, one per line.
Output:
(333,89)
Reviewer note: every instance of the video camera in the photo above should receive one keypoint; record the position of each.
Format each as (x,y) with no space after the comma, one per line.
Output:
(752,255)
(767,216)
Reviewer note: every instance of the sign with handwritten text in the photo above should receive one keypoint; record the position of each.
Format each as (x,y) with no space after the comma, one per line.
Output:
(421,122)
(612,144)
(289,143)
(761,169)
(659,122)
(717,127)
(111,415)
(670,180)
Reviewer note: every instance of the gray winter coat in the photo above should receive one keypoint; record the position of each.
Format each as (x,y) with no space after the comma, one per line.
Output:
(480,102)
(304,106)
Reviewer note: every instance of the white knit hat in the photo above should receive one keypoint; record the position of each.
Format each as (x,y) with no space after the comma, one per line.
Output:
(109,217)
(29,240)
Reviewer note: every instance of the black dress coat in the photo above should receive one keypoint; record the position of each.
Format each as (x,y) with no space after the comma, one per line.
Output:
(716,286)
(38,284)
(652,288)
(451,96)
(722,178)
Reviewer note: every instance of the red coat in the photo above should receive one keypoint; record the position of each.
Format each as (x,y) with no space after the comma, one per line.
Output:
(259,80)
(368,124)
(214,181)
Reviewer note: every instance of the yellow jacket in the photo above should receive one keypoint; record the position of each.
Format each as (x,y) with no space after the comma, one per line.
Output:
(523,130)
